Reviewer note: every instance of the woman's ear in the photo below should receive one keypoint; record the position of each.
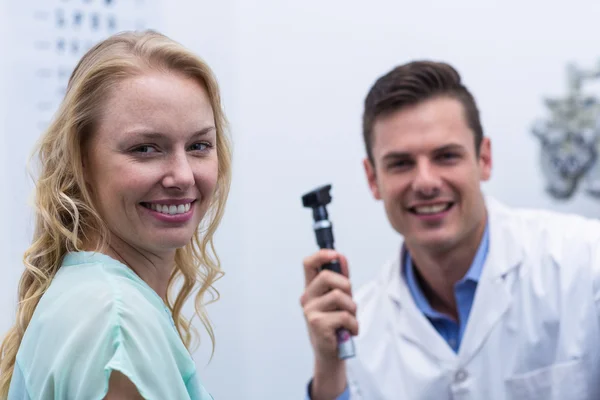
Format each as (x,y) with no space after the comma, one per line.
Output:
(84,164)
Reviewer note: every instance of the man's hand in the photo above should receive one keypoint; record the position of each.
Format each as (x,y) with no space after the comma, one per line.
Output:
(328,306)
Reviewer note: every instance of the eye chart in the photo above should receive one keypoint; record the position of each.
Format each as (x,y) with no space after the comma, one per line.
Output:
(49,38)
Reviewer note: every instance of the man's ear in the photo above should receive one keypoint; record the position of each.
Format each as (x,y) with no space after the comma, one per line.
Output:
(371,178)
(485,159)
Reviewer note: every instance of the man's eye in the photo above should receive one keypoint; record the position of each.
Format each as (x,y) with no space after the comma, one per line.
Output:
(448,156)
(399,164)
(145,149)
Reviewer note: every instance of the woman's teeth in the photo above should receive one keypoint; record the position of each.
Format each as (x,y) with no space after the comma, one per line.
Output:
(169,209)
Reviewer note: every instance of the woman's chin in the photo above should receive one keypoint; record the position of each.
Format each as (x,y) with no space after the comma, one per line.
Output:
(170,243)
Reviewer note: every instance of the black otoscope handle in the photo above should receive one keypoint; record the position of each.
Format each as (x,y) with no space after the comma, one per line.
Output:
(332,266)
(324,233)
(318,200)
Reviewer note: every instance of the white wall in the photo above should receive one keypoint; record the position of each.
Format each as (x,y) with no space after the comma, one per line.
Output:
(6,300)
(294,75)
(10,199)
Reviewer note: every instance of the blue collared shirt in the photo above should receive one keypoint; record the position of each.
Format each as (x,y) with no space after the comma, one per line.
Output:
(464,293)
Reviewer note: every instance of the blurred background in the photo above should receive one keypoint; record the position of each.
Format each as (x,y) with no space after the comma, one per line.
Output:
(293,77)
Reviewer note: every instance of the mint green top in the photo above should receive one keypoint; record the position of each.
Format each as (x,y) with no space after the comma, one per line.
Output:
(98,316)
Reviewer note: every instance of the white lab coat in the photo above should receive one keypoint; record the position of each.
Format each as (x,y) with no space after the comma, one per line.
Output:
(533,331)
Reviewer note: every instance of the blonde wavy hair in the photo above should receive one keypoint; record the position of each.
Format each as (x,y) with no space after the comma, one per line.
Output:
(65,216)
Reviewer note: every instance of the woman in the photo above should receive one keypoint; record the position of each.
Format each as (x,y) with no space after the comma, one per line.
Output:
(135,172)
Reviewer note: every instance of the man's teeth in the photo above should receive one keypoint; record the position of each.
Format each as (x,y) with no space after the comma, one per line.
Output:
(431,209)
(170,209)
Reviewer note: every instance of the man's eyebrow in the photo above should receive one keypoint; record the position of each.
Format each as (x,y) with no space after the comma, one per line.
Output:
(448,147)
(393,155)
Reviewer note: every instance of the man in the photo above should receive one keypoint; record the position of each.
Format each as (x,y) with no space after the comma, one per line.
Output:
(480,301)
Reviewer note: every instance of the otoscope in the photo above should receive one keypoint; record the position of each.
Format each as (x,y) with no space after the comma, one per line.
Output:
(318,200)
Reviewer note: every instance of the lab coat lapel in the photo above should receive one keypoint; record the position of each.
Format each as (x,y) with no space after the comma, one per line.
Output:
(411,324)
(493,295)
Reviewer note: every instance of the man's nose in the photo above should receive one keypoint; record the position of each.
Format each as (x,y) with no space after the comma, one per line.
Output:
(426,182)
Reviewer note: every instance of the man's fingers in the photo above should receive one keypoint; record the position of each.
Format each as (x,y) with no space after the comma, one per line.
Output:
(344,264)
(328,323)
(313,263)
(325,282)
(335,300)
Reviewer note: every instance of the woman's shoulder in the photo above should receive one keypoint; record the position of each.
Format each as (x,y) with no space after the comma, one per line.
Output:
(96,317)
(94,293)
(98,283)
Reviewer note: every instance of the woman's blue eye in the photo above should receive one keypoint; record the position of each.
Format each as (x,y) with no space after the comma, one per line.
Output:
(199,146)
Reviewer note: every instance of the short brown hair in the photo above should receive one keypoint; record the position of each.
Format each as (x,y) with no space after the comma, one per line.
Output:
(412,83)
